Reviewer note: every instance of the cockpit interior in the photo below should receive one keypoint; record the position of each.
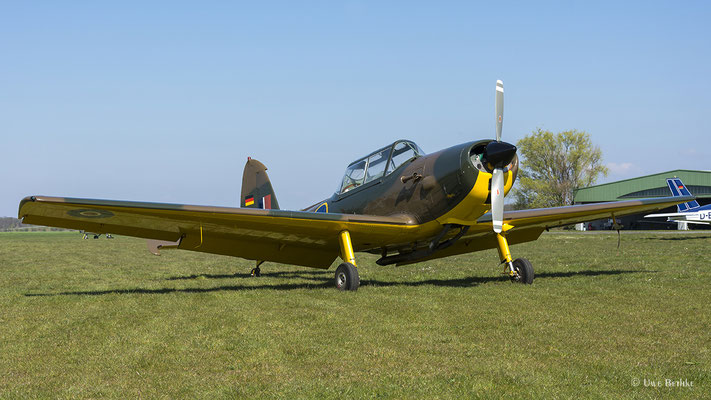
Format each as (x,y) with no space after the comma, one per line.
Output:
(379,164)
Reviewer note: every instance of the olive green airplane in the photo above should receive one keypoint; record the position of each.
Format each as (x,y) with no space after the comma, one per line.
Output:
(397,201)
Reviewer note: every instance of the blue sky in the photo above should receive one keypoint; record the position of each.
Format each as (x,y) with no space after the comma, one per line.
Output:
(165,101)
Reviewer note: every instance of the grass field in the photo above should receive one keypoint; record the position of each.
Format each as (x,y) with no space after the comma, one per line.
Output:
(104,318)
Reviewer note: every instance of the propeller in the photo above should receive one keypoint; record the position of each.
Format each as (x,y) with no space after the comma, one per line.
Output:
(498,154)
(497,200)
(499,109)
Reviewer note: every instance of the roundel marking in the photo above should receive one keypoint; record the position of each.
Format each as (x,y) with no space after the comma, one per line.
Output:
(90,213)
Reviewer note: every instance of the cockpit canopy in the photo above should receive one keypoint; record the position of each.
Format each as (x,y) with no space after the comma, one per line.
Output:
(379,163)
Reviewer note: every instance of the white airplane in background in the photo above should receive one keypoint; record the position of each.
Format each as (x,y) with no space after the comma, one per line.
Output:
(687,213)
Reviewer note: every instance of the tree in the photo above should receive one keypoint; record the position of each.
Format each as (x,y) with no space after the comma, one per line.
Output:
(554,165)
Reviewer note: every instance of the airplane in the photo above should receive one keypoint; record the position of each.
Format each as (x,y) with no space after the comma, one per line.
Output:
(398,202)
(687,213)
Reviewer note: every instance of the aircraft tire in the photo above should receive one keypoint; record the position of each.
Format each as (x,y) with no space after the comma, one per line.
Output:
(347,277)
(525,271)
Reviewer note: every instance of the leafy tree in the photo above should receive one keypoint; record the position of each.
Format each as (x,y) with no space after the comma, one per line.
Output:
(8,223)
(554,165)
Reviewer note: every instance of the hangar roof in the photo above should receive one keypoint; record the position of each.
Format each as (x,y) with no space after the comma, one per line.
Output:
(698,183)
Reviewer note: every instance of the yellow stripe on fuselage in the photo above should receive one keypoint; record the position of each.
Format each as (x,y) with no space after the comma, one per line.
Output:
(473,205)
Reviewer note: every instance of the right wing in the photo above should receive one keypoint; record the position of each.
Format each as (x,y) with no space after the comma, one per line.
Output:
(291,237)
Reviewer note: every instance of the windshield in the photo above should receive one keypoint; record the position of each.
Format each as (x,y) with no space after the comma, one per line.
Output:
(354,176)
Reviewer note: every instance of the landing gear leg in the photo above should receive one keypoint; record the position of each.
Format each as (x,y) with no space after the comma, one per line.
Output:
(520,270)
(347,277)
(256,272)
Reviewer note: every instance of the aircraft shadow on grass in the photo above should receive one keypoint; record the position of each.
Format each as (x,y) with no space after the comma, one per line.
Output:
(246,275)
(322,280)
(680,237)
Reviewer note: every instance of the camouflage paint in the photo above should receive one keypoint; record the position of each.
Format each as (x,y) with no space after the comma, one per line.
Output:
(255,183)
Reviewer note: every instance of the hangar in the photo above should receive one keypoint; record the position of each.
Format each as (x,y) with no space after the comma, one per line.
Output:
(655,185)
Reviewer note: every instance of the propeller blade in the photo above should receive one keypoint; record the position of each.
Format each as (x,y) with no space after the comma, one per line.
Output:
(497,199)
(499,109)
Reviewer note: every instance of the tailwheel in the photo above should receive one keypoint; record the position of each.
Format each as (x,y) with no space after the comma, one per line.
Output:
(523,271)
(256,272)
(347,277)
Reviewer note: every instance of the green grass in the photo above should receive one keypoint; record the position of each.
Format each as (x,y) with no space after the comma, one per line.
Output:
(104,318)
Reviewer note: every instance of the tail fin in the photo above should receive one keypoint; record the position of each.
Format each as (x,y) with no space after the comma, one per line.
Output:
(678,189)
(257,191)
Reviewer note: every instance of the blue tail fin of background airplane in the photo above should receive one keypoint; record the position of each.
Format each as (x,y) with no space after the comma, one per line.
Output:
(679,189)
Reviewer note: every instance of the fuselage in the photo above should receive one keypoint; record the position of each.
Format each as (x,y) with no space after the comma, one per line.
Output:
(699,216)
(451,186)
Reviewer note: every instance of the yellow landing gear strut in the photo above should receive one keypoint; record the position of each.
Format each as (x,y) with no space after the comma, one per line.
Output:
(347,274)
(505,255)
(520,269)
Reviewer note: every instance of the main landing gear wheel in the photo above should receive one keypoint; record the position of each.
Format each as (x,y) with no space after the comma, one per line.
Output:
(347,277)
(524,271)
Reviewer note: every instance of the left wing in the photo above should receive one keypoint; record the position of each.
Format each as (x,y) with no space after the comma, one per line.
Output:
(527,225)
(291,237)
(559,216)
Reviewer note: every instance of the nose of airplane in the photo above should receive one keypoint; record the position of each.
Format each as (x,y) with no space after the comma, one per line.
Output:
(499,154)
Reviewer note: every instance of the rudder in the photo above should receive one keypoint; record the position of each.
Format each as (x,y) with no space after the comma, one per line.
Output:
(677,189)
(257,191)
